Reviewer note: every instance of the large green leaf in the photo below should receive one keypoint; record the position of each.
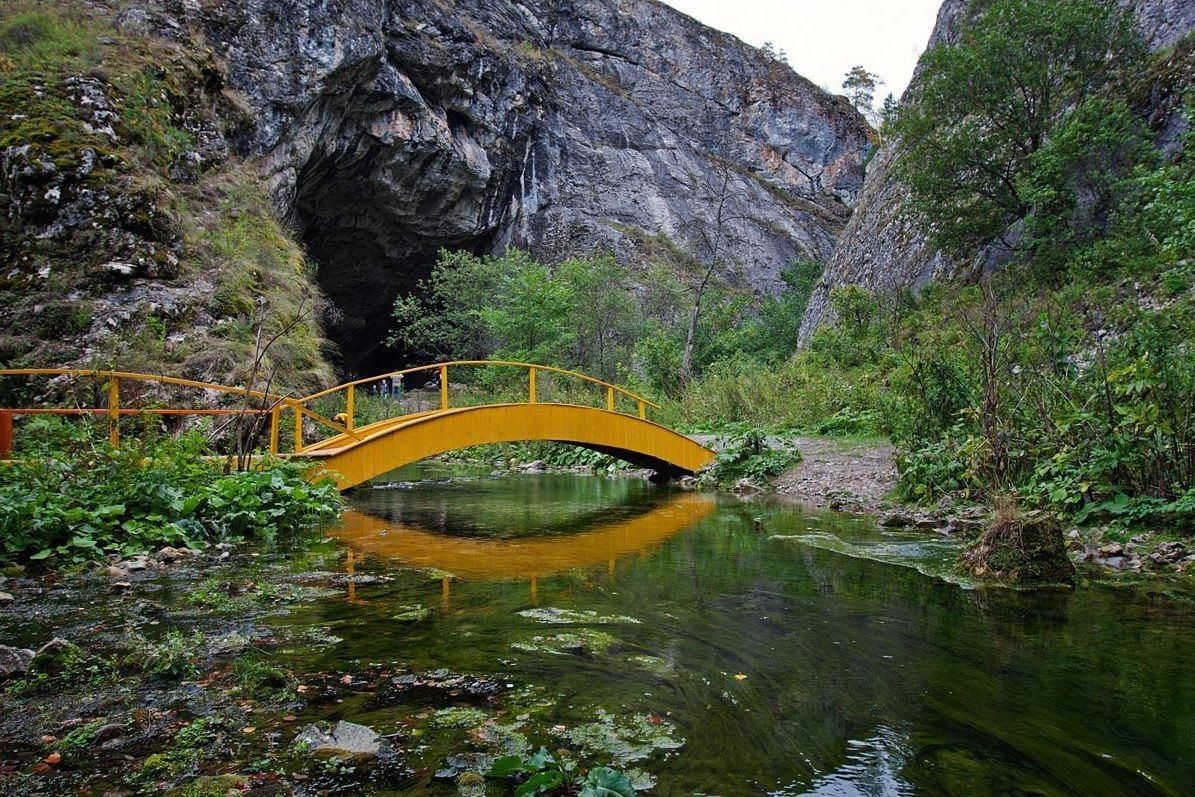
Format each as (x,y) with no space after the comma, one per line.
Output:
(606,782)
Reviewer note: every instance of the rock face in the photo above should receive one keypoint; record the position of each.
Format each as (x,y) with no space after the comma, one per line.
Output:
(882,249)
(391,129)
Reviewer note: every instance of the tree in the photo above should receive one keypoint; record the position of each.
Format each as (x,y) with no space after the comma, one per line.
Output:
(529,317)
(441,318)
(710,255)
(860,88)
(982,107)
(604,321)
(888,111)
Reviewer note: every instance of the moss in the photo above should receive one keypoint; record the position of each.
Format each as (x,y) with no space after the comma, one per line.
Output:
(209,786)
(212,227)
(1019,549)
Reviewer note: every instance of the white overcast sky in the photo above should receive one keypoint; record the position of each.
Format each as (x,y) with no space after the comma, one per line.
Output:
(825,38)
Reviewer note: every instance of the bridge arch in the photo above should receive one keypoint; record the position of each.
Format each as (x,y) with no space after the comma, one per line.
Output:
(390,444)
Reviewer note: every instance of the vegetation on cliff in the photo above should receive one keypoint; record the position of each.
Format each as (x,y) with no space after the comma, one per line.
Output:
(136,237)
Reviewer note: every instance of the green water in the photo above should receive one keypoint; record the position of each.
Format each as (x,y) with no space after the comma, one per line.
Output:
(747,648)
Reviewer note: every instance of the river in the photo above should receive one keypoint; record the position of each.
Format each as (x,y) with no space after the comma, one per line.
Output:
(708,645)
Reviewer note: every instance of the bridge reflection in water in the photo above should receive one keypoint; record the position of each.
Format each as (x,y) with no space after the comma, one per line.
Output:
(520,559)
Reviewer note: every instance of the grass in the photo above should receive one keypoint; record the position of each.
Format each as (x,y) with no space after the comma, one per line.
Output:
(213,234)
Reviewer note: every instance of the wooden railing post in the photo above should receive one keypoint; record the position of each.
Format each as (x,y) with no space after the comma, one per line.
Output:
(610,398)
(298,408)
(533,393)
(350,407)
(114,411)
(5,434)
(274,413)
(443,387)
(643,410)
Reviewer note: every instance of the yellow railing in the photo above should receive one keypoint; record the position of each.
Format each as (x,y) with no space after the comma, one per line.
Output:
(275,403)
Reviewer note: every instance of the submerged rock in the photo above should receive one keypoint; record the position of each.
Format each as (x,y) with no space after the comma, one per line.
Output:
(14,661)
(580,641)
(342,740)
(553,616)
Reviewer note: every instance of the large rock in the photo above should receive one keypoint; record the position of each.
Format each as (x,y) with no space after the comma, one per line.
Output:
(342,740)
(883,249)
(14,661)
(391,129)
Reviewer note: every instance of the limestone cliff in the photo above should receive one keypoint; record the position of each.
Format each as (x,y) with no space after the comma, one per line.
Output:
(389,129)
(881,247)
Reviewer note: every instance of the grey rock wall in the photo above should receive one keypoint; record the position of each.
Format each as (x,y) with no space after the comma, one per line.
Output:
(881,248)
(391,128)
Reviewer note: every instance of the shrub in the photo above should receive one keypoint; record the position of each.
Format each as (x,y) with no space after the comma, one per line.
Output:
(75,498)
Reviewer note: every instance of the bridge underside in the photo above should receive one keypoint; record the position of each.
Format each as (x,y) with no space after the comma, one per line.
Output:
(390,444)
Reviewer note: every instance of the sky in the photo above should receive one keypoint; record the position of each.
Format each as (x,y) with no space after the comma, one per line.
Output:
(825,38)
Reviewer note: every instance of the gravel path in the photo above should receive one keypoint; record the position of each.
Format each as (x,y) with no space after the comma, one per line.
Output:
(841,474)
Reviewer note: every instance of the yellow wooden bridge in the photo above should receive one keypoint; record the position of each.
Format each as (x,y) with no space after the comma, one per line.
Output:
(325,425)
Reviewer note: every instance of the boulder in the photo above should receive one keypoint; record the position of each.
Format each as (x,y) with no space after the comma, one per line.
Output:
(1020,548)
(14,661)
(53,657)
(342,740)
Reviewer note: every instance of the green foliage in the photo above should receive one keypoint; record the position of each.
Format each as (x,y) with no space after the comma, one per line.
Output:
(173,658)
(543,773)
(985,105)
(259,678)
(530,316)
(1075,181)
(78,499)
(592,314)
(748,456)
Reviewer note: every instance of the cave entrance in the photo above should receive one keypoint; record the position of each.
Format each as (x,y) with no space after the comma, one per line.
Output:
(367,253)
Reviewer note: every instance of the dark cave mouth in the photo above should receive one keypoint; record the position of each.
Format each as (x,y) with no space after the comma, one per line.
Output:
(361,275)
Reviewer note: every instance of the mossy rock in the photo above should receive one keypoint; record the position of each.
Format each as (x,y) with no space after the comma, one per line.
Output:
(1020,549)
(209,786)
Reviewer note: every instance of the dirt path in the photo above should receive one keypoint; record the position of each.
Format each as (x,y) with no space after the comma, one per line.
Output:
(840,474)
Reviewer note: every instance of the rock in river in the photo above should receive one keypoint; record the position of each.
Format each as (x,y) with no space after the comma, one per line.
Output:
(342,740)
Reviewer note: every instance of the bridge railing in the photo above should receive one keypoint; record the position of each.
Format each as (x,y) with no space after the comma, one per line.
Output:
(114,404)
(113,407)
(343,400)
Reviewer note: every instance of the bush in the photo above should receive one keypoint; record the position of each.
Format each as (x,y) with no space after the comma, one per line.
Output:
(749,457)
(75,498)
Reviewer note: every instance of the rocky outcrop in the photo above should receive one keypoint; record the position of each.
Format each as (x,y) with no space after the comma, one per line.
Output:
(883,249)
(391,129)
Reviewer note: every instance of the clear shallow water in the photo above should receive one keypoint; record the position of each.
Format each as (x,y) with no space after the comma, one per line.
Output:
(750,648)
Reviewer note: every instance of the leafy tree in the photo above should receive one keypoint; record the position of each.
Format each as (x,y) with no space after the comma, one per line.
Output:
(530,314)
(985,105)
(441,319)
(860,88)
(1075,181)
(605,320)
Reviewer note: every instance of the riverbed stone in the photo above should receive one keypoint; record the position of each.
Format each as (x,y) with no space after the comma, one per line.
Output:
(14,661)
(6,597)
(342,740)
(54,656)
